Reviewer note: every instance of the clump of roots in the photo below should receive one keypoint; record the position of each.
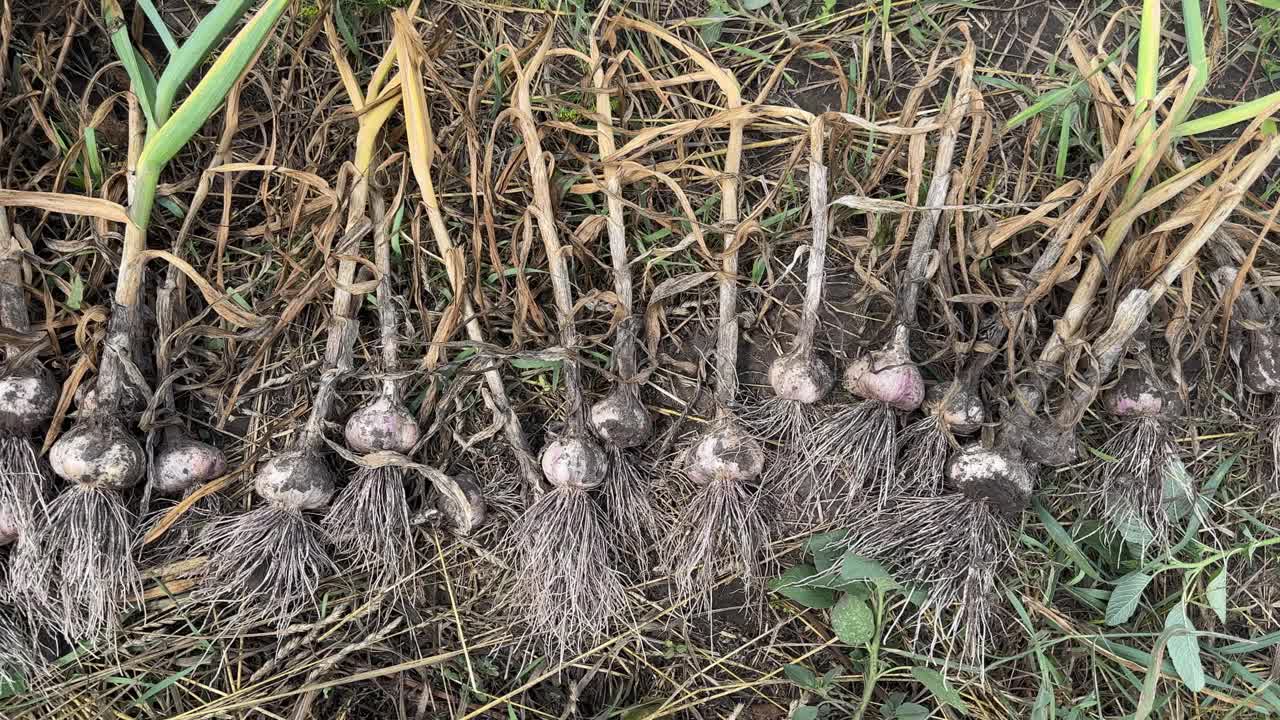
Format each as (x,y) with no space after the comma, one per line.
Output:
(23,487)
(856,449)
(19,654)
(266,564)
(88,551)
(627,501)
(1140,480)
(178,536)
(720,531)
(566,591)
(955,546)
(926,445)
(370,525)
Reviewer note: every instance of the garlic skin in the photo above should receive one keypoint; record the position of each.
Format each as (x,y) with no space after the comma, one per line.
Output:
(383,424)
(1136,395)
(801,377)
(621,420)
(574,463)
(725,452)
(959,407)
(183,464)
(98,453)
(296,479)
(27,400)
(887,375)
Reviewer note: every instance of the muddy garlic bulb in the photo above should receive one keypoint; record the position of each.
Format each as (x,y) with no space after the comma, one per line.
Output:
(621,420)
(887,375)
(384,424)
(1139,394)
(464,510)
(98,453)
(183,464)
(957,405)
(296,479)
(1262,363)
(725,452)
(27,399)
(996,476)
(801,377)
(574,463)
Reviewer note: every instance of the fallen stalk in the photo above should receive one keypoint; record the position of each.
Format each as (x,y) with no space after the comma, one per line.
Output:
(720,529)
(567,590)
(621,419)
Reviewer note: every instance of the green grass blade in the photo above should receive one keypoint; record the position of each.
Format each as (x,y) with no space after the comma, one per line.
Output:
(1144,90)
(1193,27)
(203,40)
(142,80)
(157,22)
(212,89)
(1060,95)
(1244,112)
(1064,140)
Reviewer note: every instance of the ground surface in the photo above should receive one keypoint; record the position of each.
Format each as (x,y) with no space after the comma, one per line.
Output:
(264,233)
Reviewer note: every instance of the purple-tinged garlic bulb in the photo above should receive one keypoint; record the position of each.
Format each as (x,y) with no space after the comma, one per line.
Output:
(98,454)
(800,376)
(1138,394)
(296,480)
(575,463)
(621,420)
(887,375)
(183,464)
(384,424)
(996,476)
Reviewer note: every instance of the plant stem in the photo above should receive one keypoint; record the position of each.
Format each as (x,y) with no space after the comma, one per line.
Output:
(624,350)
(386,300)
(543,211)
(872,673)
(821,219)
(13,306)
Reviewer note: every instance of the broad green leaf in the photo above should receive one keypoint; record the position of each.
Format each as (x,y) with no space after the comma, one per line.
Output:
(207,36)
(212,89)
(937,685)
(825,548)
(1216,594)
(800,675)
(1184,648)
(794,585)
(805,712)
(854,567)
(755,4)
(1125,597)
(911,711)
(141,79)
